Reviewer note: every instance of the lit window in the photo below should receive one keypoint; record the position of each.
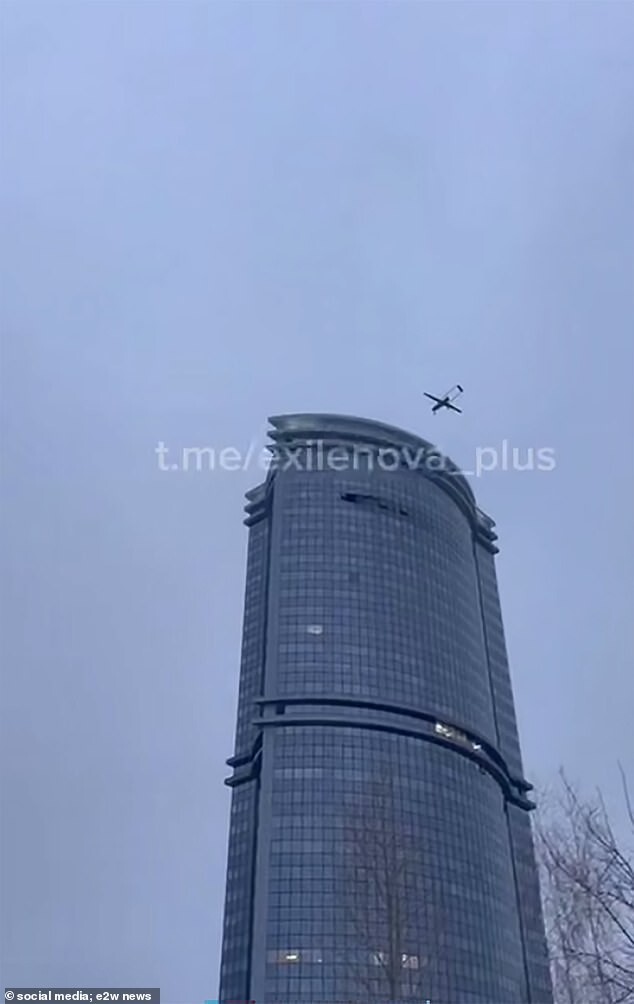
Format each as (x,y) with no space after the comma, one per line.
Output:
(315,629)
(291,956)
(407,961)
(442,730)
(284,956)
(449,732)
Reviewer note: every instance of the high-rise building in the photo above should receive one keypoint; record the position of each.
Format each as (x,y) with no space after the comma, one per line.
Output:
(380,844)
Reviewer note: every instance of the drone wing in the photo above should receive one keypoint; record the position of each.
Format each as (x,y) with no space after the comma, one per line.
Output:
(454,392)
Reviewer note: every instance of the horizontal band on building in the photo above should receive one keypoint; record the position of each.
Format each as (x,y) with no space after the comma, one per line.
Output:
(429,728)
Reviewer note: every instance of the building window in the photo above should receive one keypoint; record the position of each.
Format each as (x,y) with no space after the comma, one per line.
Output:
(283,956)
(293,956)
(356,497)
(449,732)
(407,961)
(375,502)
(295,772)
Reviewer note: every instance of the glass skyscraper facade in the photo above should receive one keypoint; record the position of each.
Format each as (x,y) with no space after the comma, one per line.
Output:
(380,844)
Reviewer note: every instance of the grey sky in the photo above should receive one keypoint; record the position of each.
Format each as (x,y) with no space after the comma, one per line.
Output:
(216,212)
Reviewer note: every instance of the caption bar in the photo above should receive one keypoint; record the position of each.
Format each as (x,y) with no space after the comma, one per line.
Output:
(90,995)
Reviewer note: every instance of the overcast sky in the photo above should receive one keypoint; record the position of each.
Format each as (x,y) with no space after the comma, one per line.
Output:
(216,212)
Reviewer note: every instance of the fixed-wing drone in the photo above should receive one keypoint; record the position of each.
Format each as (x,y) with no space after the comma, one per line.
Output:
(446,399)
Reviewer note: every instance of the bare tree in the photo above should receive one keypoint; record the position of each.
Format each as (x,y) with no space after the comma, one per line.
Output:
(384,901)
(587,878)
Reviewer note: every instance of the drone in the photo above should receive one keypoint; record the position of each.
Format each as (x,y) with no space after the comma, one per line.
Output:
(446,400)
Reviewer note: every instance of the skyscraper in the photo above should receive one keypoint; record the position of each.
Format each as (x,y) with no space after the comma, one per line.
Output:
(380,844)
